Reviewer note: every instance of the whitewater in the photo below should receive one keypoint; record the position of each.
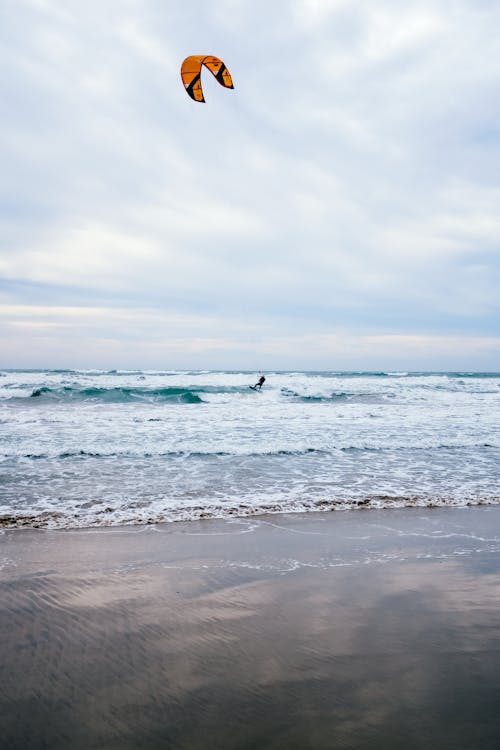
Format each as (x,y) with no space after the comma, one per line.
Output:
(97,448)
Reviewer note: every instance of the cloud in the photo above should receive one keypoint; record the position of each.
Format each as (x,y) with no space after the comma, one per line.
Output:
(151,338)
(349,183)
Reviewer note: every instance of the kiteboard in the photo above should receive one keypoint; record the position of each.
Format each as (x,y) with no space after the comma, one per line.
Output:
(254,388)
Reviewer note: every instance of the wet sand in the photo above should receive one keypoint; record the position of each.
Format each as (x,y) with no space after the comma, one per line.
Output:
(365,629)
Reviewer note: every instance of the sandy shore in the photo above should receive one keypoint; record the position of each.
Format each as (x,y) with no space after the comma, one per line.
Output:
(376,629)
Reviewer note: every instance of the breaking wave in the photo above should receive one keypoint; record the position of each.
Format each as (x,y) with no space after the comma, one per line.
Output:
(119,395)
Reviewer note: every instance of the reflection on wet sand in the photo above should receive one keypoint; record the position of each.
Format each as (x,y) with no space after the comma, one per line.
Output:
(173,640)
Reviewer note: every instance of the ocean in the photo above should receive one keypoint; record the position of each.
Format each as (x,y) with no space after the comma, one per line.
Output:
(86,448)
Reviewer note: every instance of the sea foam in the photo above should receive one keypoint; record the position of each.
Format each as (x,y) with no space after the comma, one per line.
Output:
(83,448)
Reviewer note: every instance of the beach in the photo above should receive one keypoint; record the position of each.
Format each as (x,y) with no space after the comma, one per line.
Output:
(249,376)
(357,629)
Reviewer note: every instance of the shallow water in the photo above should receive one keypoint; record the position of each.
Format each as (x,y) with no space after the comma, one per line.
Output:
(86,448)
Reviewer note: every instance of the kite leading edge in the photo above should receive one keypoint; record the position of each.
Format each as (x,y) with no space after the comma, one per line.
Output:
(191,74)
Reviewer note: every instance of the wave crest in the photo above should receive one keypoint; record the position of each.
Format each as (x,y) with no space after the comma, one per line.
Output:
(119,395)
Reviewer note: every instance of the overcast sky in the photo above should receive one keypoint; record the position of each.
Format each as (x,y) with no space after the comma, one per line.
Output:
(339,209)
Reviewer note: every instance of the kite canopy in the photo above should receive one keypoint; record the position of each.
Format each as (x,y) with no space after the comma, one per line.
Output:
(191,74)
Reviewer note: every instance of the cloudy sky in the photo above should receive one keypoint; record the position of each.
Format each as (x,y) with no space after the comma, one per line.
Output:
(339,209)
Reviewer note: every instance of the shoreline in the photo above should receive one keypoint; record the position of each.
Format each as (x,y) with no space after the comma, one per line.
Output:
(328,524)
(49,520)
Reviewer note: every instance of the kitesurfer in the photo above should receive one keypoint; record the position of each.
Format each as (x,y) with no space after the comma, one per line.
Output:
(260,382)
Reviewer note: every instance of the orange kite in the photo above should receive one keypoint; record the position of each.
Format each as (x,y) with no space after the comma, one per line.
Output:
(191,74)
